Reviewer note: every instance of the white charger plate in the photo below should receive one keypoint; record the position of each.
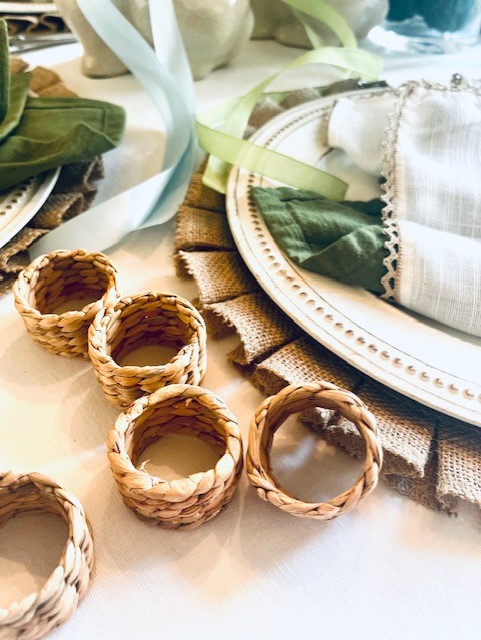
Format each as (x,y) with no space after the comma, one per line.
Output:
(19,204)
(424,360)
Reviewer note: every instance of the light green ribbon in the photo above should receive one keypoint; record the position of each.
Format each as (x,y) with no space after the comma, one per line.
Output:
(220,130)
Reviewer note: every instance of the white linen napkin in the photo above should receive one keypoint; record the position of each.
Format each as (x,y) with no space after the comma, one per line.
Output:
(358,126)
(431,159)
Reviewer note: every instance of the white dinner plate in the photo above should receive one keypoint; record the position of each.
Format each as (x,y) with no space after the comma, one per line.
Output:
(19,204)
(419,358)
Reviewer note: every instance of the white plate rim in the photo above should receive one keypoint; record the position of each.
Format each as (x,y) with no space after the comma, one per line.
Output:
(42,188)
(281,280)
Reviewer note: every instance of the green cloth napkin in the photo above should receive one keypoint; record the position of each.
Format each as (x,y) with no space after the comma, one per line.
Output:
(57,131)
(18,92)
(37,134)
(344,241)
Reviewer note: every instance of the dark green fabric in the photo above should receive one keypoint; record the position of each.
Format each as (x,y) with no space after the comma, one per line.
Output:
(4,71)
(57,131)
(19,87)
(37,134)
(344,241)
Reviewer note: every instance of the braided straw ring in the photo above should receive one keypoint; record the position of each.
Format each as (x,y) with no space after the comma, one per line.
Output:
(149,318)
(53,279)
(188,410)
(269,417)
(39,613)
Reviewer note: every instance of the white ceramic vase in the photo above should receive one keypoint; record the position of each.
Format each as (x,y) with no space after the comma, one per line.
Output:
(213,32)
(274,19)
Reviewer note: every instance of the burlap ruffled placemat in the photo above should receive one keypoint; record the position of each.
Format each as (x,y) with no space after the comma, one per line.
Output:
(72,194)
(429,457)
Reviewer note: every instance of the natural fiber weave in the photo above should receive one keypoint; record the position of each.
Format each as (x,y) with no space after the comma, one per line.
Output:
(188,410)
(458,474)
(261,330)
(144,319)
(39,613)
(236,280)
(293,399)
(55,278)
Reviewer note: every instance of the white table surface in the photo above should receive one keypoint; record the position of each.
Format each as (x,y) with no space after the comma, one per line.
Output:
(391,569)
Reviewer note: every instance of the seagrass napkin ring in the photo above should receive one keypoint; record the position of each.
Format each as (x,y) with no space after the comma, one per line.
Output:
(39,613)
(270,416)
(146,319)
(55,279)
(184,409)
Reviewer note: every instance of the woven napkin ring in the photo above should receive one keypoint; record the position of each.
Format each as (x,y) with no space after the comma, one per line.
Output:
(55,279)
(145,319)
(39,613)
(270,416)
(188,410)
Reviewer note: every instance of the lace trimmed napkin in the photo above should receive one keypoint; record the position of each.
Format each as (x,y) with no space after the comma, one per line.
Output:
(431,159)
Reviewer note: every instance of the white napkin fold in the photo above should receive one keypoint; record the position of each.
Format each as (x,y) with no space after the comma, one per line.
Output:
(358,127)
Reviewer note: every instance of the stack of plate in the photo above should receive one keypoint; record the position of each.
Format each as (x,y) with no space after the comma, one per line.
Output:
(19,204)
(27,19)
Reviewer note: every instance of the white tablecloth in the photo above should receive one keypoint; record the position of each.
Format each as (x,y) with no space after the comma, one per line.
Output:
(391,569)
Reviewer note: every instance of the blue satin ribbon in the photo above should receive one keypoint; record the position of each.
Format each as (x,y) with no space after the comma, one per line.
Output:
(166,77)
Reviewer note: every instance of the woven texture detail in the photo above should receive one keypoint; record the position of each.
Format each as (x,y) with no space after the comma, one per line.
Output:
(210,231)
(261,327)
(458,473)
(270,416)
(204,267)
(188,502)
(394,413)
(54,279)
(201,197)
(303,360)
(145,319)
(39,613)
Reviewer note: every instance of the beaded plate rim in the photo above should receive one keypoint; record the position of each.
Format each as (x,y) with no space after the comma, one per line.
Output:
(21,202)
(292,290)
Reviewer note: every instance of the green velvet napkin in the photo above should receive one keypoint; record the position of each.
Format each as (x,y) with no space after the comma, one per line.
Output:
(19,86)
(37,134)
(57,131)
(344,241)
(4,71)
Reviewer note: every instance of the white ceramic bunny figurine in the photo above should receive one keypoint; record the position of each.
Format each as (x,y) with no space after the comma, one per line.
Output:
(213,32)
